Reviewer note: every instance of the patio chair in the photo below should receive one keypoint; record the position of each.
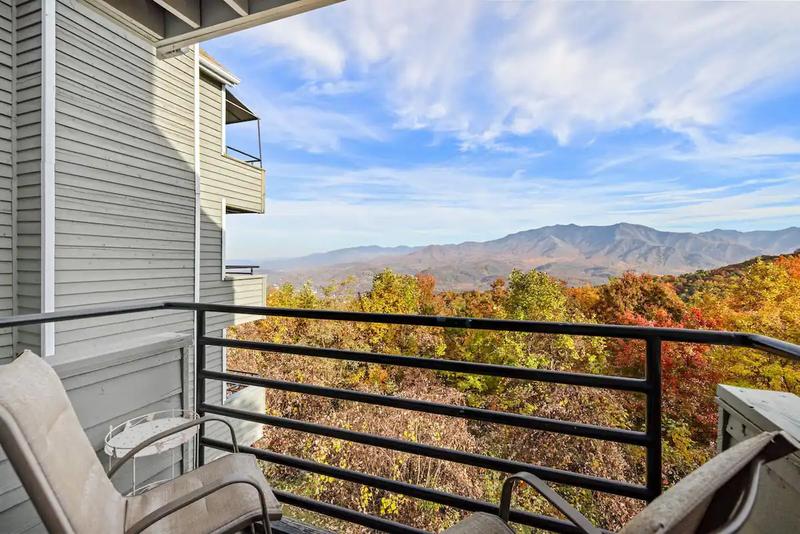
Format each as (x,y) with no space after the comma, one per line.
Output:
(58,467)
(715,498)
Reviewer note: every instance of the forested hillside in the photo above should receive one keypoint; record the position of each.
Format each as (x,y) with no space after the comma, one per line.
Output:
(575,254)
(761,296)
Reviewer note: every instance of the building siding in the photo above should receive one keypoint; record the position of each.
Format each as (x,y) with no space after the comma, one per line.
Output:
(124,178)
(241,186)
(28,166)
(6,172)
(124,217)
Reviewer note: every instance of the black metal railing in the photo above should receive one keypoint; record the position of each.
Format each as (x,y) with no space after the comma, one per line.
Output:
(241,269)
(649,385)
(248,158)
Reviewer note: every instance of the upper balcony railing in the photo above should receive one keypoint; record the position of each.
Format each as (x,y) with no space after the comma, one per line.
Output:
(649,385)
(240,269)
(236,113)
(247,158)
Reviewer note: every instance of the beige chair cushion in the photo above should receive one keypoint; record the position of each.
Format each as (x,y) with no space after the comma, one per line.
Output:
(50,451)
(684,506)
(231,507)
(480,523)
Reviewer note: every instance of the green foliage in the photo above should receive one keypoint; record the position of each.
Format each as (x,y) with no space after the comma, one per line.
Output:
(392,293)
(535,296)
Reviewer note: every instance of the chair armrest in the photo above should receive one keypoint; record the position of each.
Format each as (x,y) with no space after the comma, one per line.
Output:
(745,506)
(200,493)
(161,435)
(554,498)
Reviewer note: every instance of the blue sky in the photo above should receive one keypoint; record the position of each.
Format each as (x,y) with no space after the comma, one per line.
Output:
(438,121)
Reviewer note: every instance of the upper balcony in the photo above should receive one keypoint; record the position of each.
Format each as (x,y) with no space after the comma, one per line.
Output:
(237,112)
(229,170)
(745,414)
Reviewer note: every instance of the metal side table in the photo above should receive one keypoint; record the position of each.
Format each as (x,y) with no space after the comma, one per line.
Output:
(124,437)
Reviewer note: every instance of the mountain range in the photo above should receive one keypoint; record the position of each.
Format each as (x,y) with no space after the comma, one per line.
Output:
(577,254)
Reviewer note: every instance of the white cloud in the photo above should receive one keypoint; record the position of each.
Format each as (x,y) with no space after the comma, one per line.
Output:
(331,208)
(334,88)
(303,124)
(753,153)
(298,36)
(484,70)
(312,128)
(739,146)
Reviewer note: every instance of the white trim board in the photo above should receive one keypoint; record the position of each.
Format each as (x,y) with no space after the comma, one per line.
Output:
(217,72)
(222,224)
(14,183)
(223,121)
(197,206)
(48,174)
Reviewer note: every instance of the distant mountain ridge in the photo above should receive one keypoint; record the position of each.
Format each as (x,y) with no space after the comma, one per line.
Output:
(577,254)
(333,257)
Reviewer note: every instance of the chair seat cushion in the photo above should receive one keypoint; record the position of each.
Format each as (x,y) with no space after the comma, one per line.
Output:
(229,508)
(480,523)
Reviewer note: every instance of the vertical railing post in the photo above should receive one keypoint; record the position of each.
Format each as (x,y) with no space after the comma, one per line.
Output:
(200,383)
(260,154)
(653,424)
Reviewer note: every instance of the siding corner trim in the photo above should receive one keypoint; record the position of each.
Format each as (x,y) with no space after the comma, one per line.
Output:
(48,173)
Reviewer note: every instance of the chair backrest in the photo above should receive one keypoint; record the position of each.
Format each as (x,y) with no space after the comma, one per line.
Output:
(705,499)
(51,454)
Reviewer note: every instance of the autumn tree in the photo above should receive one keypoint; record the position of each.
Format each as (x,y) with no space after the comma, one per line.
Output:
(764,299)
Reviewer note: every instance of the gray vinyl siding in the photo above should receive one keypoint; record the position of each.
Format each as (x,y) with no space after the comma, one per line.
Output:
(28,165)
(125,218)
(242,187)
(6,173)
(240,183)
(124,179)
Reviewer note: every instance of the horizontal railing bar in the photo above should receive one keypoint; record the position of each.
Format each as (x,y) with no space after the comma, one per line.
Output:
(243,153)
(712,337)
(345,514)
(773,346)
(630,437)
(69,315)
(395,486)
(521,373)
(715,337)
(550,474)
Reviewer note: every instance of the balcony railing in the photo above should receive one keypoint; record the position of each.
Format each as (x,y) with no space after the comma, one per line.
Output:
(246,157)
(648,385)
(241,269)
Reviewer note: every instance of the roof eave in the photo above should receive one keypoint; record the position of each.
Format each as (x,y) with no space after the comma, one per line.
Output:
(216,72)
